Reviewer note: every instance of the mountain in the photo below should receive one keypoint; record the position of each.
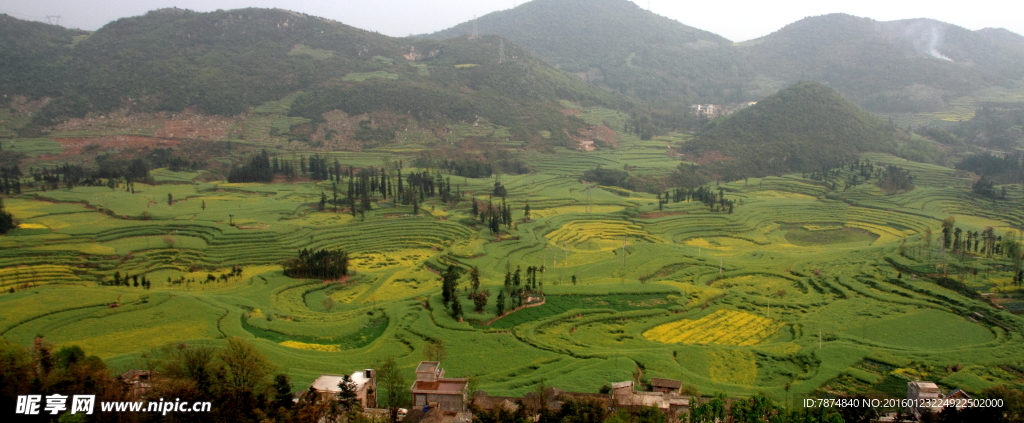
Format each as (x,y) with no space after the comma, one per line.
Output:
(804,128)
(227,62)
(618,45)
(913,65)
(33,56)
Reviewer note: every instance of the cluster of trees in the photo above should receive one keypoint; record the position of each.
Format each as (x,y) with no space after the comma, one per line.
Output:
(322,264)
(993,127)
(6,219)
(714,202)
(130,280)
(895,178)
(257,170)
(39,370)
(10,179)
(467,168)
(241,384)
(986,188)
(111,170)
(449,287)
(516,287)
(493,216)
(608,177)
(987,242)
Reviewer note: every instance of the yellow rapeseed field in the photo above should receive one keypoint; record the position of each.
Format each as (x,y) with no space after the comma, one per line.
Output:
(554,211)
(822,227)
(723,327)
(603,234)
(313,347)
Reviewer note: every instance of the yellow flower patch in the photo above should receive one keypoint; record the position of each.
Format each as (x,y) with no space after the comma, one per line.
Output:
(312,347)
(599,234)
(723,327)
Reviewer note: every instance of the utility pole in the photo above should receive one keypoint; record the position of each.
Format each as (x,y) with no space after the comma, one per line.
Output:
(501,52)
(476,32)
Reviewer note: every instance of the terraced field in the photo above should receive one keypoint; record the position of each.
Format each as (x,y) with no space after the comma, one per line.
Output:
(799,287)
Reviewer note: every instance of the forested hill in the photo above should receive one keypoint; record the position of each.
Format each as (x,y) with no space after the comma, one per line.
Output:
(616,44)
(33,56)
(804,128)
(899,66)
(226,62)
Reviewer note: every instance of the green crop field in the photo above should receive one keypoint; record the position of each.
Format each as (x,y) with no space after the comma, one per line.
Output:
(800,289)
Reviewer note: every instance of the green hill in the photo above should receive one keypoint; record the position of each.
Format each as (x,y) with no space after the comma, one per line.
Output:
(618,45)
(227,62)
(804,128)
(33,56)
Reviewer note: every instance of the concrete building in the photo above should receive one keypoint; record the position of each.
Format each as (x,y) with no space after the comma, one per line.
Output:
(923,391)
(432,389)
(365,383)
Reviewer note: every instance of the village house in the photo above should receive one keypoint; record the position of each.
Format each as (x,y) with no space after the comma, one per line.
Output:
(431,389)
(919,391)
(365,386)
(662,397)
(621,396)
(667,386)
(137,383)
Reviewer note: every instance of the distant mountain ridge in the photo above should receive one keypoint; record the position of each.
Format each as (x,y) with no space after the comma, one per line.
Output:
(912,65)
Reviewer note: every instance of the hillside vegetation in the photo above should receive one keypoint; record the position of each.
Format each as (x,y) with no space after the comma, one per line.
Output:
(804,128)
(228,62)
(616,44)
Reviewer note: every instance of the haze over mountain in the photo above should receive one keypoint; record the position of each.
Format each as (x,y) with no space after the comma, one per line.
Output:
(899,66)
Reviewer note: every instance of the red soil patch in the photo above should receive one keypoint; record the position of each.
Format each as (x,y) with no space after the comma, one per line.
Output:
(572,112)
(77,145)
(195,126)
(712,156)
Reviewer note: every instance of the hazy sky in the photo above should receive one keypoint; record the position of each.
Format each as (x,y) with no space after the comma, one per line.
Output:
(737,20)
